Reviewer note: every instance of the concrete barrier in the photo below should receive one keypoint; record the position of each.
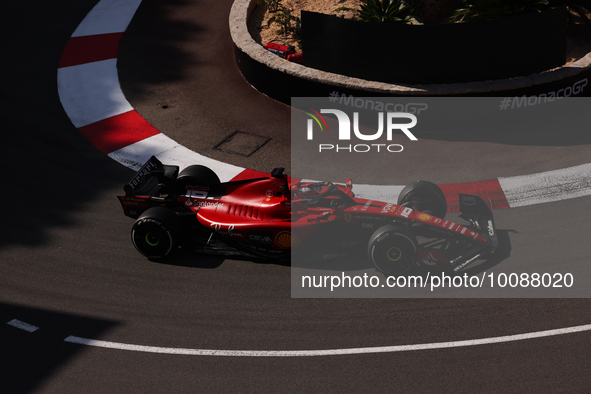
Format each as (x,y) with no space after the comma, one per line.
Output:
(281,79)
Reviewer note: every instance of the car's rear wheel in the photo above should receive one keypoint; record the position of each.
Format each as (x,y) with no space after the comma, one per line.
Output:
(424,196)
(195,175)
(156,233)
(393,249)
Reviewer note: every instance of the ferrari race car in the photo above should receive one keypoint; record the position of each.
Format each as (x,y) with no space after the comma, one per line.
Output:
(279,219)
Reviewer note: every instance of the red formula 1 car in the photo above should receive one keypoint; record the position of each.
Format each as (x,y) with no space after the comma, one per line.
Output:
(271,219)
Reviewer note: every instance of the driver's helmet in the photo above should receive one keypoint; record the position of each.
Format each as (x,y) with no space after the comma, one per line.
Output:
(304,192)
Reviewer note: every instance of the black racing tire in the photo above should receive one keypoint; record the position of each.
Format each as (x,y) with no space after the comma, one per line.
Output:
(156,233)
(393,249)
(424,196)
(195,175)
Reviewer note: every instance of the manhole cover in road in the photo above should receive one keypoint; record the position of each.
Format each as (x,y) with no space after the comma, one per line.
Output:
(242,143)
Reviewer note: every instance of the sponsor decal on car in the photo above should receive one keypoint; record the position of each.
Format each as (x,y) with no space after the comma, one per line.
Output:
(139,176)
(203,204)
(468,200)
(387,207)
(219,228)
(366,217)
(286,240)
(456,259)
(135,202)
(465,263)
(196,192)
(350,244)
(403,211)
(490,228)
(260,237)
(424,217)
(330,256)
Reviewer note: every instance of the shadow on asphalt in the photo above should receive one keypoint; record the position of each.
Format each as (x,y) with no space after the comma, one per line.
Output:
(50,171)
(158,58)
(29,359)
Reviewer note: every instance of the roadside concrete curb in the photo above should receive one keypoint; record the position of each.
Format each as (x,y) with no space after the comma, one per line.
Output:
(243,41)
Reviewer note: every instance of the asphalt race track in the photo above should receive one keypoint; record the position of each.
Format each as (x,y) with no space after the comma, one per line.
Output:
(68,268)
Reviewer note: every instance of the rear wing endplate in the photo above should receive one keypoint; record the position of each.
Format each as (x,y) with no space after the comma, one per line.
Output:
(152,174)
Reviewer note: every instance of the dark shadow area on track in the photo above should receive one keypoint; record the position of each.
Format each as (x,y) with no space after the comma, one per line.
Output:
(50,171)
(50,176)
(163,61)
(193,259)
(29,359)
(188,258)
(48,185)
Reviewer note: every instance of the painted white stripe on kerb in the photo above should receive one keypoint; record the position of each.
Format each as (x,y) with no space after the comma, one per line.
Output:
(377,192)
(523,190)
(22,325)
(170,152)
(91,92)
(547,186)
(328,352)
(108,16)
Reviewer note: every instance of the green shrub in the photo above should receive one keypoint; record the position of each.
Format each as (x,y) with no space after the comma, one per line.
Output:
(384,11)
(492,9)
(271,5)
(284,19)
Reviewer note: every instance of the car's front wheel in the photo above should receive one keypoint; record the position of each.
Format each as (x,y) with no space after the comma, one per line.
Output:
(393,249)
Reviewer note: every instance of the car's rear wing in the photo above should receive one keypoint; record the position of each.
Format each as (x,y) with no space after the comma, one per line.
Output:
(474,209)
(151,178)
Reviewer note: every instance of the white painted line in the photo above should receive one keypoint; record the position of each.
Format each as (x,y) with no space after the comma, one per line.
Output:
(556,185)
(327,352)
(108,16)
(91,92)
(22,325)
